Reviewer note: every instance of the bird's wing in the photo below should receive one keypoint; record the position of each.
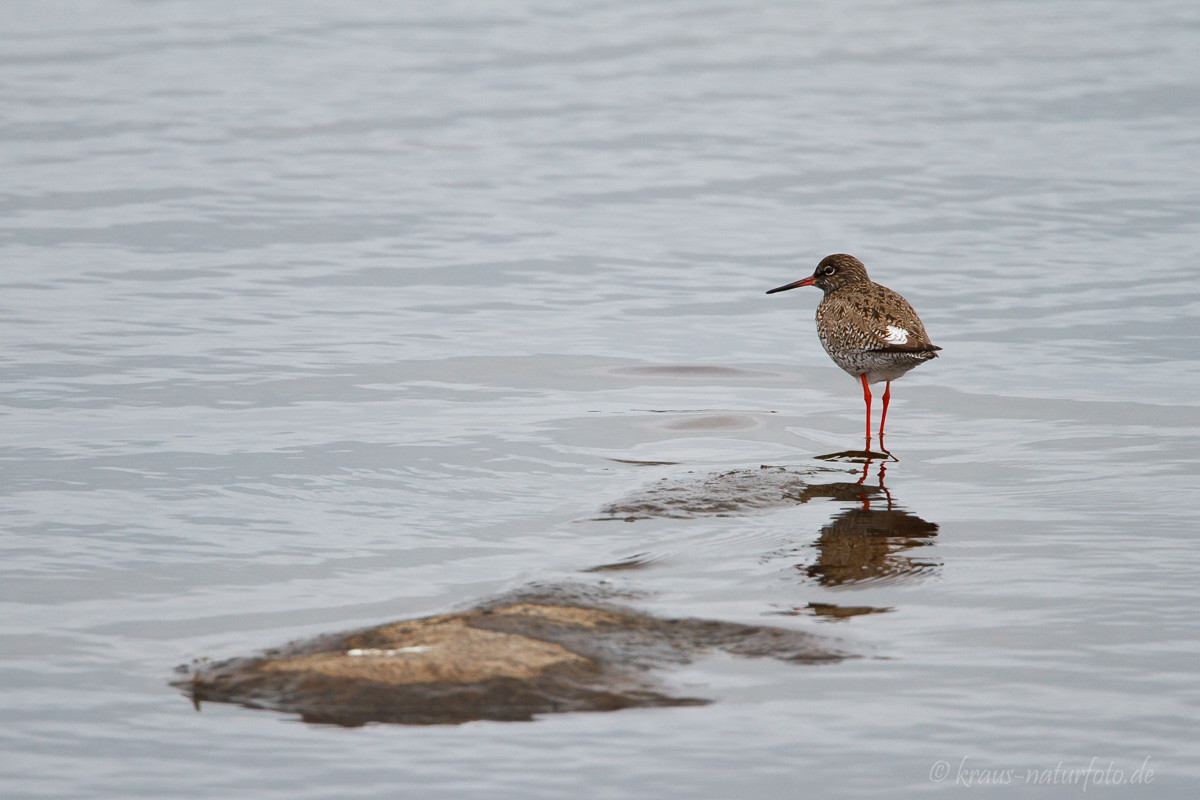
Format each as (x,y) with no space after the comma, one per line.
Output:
(877,319)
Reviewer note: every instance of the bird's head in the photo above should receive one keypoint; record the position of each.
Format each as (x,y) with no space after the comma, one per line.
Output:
(833,272)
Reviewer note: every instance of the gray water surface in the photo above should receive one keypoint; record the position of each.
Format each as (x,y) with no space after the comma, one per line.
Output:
(319,316)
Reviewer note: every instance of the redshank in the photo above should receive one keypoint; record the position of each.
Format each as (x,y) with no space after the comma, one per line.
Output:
(867,329)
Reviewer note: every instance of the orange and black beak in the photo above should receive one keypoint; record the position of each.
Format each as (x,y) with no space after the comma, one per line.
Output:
(809,281)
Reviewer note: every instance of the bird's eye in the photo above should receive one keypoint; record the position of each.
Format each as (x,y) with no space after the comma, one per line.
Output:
(829,270)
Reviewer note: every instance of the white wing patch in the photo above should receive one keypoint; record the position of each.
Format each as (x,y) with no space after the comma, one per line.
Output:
(896,335)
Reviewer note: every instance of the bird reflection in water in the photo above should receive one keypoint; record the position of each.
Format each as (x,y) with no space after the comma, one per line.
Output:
(869,544)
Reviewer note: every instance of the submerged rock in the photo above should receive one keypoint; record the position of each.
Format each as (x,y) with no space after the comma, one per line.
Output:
(720,494)
(529,653)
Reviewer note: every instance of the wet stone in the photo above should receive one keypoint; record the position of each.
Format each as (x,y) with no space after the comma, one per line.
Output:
(545,650)
(721,494)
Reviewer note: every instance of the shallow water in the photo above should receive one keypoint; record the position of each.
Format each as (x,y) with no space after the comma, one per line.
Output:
(330,317)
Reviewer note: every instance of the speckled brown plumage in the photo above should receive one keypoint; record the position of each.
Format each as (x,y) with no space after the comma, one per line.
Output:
(868,330)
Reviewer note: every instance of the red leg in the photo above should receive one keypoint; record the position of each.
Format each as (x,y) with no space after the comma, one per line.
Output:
(887,396)
(867,399)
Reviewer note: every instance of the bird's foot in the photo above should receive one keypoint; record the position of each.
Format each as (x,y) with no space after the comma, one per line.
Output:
(858,456)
